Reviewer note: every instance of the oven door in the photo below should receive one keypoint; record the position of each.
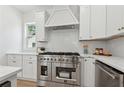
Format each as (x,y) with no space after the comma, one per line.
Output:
(66,73)
(45,71)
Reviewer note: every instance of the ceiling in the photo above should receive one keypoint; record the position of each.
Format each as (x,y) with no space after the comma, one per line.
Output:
(28,8)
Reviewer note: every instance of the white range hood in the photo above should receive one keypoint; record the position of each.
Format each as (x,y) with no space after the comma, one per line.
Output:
(61,16)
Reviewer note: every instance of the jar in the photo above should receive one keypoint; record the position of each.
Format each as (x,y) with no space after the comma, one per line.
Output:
(85,47)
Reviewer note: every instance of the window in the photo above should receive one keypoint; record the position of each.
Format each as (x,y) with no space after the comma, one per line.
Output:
(30,35)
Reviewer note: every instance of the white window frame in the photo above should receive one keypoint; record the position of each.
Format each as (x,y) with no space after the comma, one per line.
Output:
(25,47)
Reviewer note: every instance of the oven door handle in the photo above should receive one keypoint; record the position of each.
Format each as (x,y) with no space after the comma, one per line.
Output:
(110,74)
(66,79)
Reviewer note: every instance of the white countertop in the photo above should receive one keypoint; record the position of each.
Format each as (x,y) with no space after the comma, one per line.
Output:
(115,62)
(8,71)
(21,53)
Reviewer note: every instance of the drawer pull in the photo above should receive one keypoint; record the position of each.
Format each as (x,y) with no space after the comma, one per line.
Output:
(119,29)
(14,61)
(91,36)
(122,28)
(30,62)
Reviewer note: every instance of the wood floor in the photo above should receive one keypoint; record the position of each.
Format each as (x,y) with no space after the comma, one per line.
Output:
(25,83)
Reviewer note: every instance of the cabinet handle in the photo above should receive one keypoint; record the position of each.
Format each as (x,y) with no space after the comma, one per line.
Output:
(122,28)
(14,61)
(80,37)
(119,29)
(91,36)
(30,58)
(30,62)
(93,62)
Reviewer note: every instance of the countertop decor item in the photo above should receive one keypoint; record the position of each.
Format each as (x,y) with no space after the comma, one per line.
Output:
(85,47)
(101,51)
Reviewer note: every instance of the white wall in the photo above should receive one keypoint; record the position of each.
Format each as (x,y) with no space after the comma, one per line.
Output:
(116,46)
(10,31)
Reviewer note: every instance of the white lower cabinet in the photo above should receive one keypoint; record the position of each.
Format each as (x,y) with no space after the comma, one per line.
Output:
(28,64)
(15,61)
(88,72)
(30,67)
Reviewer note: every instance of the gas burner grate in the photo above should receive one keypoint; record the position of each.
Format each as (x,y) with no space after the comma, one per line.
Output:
(60,53)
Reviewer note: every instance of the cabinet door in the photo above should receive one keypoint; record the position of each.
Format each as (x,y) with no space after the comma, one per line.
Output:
(40,21)
(98,21)
(114,19)
(84,31)
(29,68)
(89,72)
(82,72)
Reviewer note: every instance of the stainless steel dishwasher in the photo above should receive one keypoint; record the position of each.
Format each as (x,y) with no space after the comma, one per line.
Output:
(106,76)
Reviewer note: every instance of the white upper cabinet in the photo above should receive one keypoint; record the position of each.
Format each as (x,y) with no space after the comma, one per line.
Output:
(92,22)
(101,22)
(114,19)
(84,32)
(40,28)
(98,21)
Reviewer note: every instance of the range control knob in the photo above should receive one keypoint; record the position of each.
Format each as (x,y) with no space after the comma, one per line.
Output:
(47,58)
(67,60)
(44,58)
(54,59)
(51,59)
(41,58)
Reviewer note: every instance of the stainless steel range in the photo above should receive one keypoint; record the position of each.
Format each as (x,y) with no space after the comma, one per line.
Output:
(59,69)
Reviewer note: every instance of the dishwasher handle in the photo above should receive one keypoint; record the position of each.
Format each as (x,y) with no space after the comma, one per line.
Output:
(107,72)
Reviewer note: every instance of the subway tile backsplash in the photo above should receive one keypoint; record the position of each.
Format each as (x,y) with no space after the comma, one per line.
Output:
(67,41)
(116,46)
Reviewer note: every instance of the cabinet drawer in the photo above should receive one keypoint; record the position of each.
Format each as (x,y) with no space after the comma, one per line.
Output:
(14,57)
(15,63)
(28,57)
